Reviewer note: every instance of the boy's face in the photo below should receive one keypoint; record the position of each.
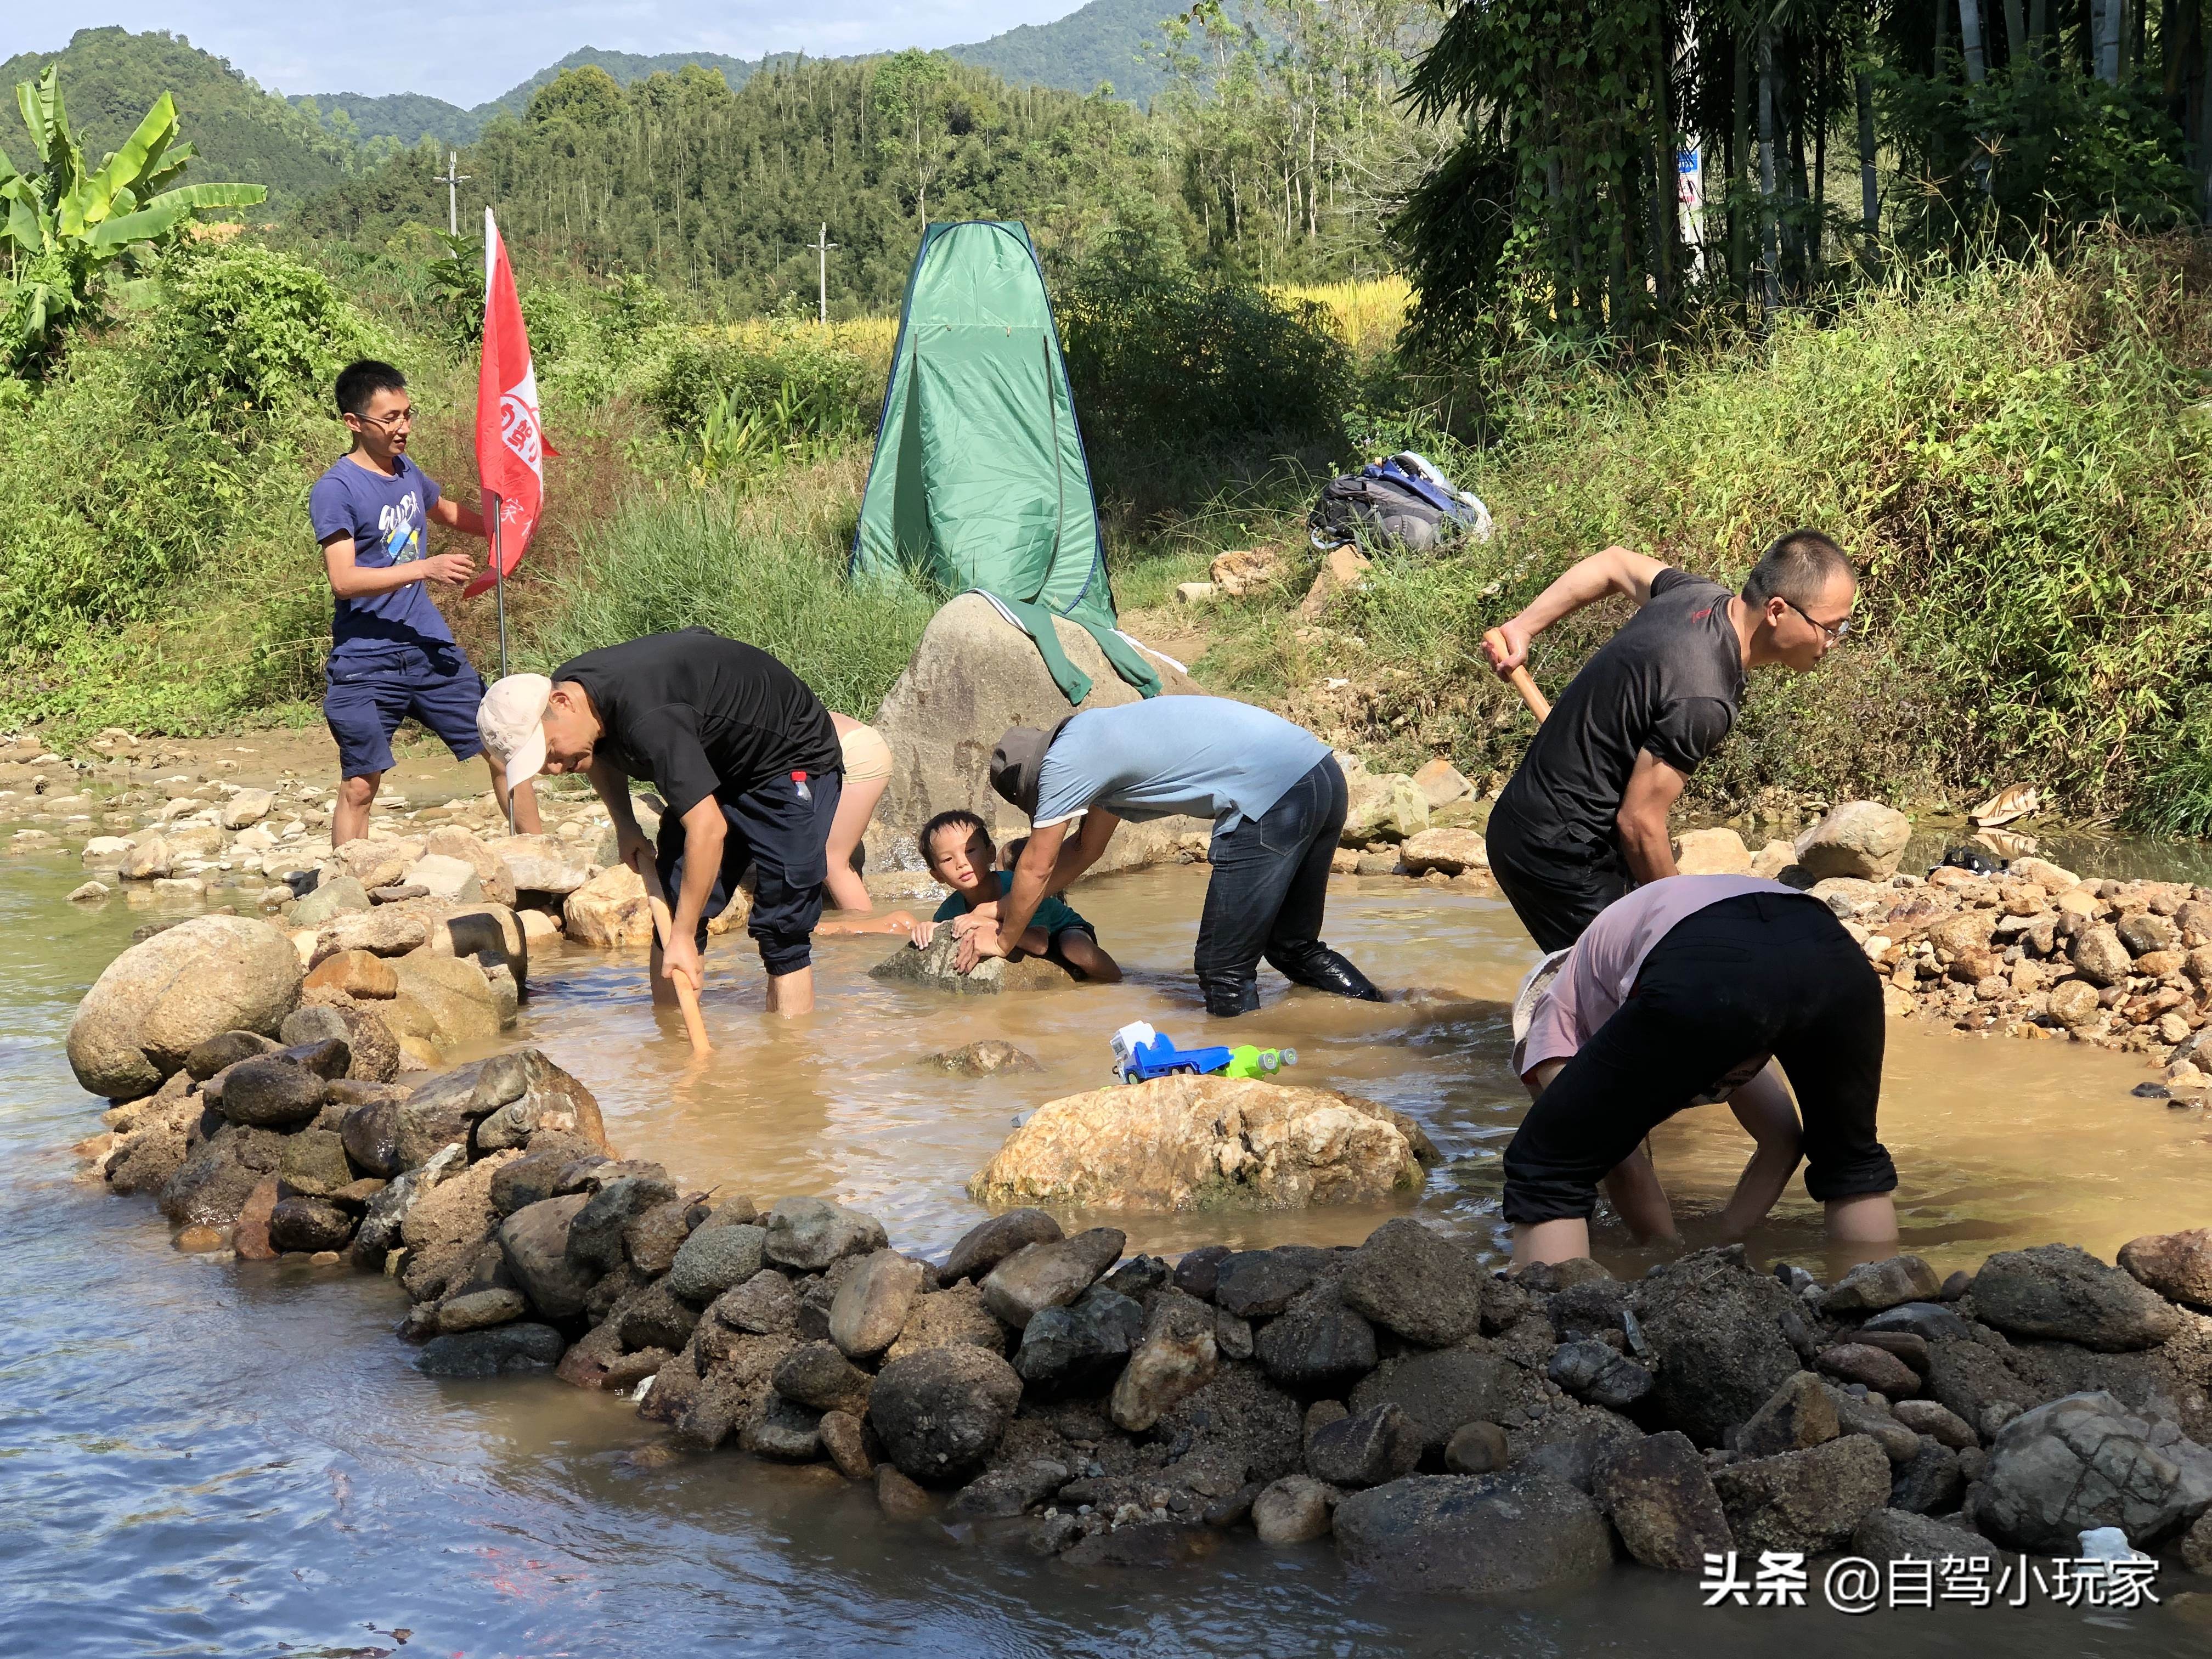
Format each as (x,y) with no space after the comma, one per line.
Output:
(960,858)
(382,428)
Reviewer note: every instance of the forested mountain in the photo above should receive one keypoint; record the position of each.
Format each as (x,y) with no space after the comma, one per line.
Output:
(405,117)
(717,191)
(1112,40)
(110,78)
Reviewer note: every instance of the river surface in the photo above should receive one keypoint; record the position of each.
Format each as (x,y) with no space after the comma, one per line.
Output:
(199,1457)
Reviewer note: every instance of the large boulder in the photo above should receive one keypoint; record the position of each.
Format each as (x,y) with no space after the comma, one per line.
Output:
(159,998)
(973,675)
(1488,1535)
(535,1242)
(2177,1266)
(461,1002)
(1419,1283)
(2087,1460)
(1182,1142)
(543,864)
(810,1233)
(1660,1497)
(1860,839)
(2060,1292)
(1719,1329)
(610,910)
(934,966)
(941,1412)
(1808,1500)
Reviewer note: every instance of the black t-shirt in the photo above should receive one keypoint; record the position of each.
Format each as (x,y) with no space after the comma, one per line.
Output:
(1668,682)
(699,715)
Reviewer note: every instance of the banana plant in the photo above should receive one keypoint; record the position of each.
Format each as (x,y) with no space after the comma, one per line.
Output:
(65,225)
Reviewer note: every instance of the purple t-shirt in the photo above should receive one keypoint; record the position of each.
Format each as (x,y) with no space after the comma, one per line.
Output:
(388,518)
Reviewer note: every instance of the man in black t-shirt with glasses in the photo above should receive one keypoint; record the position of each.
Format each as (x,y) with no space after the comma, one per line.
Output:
(742,752)
(1584,816)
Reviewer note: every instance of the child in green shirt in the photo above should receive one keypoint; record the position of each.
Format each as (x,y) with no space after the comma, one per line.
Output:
(958,850)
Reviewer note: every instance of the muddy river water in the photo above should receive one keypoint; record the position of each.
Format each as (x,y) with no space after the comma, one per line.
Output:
(205,1457)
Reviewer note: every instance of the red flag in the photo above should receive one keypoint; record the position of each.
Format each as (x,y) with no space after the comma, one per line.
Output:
(511,445)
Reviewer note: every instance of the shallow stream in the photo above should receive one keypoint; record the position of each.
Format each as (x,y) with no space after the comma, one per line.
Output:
(206,1457)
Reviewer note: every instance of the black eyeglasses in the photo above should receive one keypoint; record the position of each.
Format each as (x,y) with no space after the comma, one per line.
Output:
(1833,635)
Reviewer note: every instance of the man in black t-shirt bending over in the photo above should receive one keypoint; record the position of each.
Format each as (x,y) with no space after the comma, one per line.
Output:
(1584,816)
(742,752)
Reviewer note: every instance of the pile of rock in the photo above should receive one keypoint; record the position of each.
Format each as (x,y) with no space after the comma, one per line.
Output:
(1455,1429)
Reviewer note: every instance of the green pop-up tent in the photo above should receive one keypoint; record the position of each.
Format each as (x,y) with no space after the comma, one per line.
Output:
(979,480)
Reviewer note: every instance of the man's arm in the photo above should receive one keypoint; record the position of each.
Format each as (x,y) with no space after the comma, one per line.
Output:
(1616,570)
(1047,865)
(349,580)
(1653,789)
(611,784)
(704,832)
(452,514)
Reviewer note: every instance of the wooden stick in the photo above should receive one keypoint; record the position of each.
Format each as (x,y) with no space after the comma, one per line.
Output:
(663,928)
(1520,680)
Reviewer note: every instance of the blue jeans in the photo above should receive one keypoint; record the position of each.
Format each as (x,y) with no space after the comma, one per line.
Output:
(1270,884)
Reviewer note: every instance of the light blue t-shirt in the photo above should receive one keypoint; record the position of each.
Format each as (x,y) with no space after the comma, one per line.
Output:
(1210,758)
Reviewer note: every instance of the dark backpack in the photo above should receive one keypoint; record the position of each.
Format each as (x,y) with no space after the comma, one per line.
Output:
(1385,503)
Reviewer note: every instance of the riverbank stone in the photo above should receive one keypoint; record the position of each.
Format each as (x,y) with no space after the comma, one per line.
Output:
(2089,1460)
(494,1353)
(271,1091)
(1364,1448)
(1659,1496)
(713,1260)
(941,1412)
(871,1307)
(810,1233)
(1799,1414)
(1049,1275)
(535,1242)
(1316,1346)
(1415,1283)
(2058,1292)
(1862,840)
(1808,1501)
(1294,1510)
(1872,1287)
(211,1186)
(1717,1329)
(1174,1358)
(1480,1536)
(1079,1347)
(308,1224)
(2177,1266)
(933,967)
(983,1247)
(157,1000)
(1184,1142)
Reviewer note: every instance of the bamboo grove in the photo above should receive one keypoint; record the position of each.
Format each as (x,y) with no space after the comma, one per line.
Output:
(1834,135)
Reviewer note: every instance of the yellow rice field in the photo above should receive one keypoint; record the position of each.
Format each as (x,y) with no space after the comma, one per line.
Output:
(1370,312)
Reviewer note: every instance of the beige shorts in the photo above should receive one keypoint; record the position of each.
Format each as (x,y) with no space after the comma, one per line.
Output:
(867,756)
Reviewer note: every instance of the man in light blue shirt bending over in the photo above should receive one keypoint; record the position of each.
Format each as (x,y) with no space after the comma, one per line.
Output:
(1272,789)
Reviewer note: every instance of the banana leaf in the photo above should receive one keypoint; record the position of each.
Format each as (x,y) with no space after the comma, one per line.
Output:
(165,212)
(92,204)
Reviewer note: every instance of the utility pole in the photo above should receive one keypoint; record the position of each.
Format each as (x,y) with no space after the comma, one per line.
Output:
(822,245)
(451,179)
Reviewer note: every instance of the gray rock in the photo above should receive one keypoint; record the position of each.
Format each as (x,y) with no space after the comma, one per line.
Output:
(1716,1330)
(816,1376)
(318,1022)
(1259,1283)
(1139,1276)
(933,967)
(1365,1448)
(766,1304)
(655,1318)
(1476,1449)
(1416,1283)
(1080,1348)
(1859,840)
(161,999)
(810,1233)
(1008,1489)
(984,1059)
(845,1443)
(595,1238)
(713,1259)
(783,1432)
(1858,1414)
(211,1186)
(1294,1510)
(1804,1500)
(1800,1414)
(1040,1276)
(477,1310)
(330,899)
(1874,1286)
(1938,1422)
(315,1163)
(547,1172)
(491,1353)
(1591,1370)
(984,1247)
(2060,1292)
(2097,956)
(308,1224)
(1443,1391)
(1890,1535)
(2087,1461)
(1930,1484)
(1198,1273)
(1660,1497)
(1175,1357)
(1488,1535)
(941,1412)
(1931,1322)
(223,1050)
(535,1242)
(652,1239)
(1317,1345)
(387,1212)
(871,1307)
(371,1134)
(272,1092)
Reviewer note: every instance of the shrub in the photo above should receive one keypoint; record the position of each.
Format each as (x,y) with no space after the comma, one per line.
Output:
(241,331)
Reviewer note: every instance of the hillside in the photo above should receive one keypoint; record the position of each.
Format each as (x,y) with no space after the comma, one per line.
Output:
(111,76)
(405,117)
(1106,41)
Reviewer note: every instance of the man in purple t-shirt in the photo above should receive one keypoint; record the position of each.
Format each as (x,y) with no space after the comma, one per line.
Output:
(391,654)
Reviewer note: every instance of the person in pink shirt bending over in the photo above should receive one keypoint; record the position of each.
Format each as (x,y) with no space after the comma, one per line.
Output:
(1684,993)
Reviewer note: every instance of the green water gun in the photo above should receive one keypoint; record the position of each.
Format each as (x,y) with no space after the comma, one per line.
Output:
(1248,1061)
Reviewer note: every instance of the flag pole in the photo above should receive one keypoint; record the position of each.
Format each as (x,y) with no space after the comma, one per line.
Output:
(498,566)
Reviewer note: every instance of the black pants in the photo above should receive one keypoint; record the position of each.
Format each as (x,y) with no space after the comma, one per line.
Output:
(783,834)
(1760,973)
(1556,890)
(1270,884)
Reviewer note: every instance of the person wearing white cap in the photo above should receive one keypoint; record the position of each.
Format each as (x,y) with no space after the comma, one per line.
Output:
(1680,994)
(744,756)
